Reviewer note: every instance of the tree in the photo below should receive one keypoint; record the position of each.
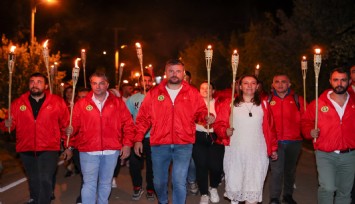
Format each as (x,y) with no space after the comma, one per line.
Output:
(28,60)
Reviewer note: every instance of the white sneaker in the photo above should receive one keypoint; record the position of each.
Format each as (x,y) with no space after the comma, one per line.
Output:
(114,184)
(204,199)
(214,197)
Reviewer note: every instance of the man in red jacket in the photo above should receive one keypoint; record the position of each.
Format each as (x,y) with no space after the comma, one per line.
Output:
(334,140)
(171,110)
(104,129)
(287,108)
(39,119)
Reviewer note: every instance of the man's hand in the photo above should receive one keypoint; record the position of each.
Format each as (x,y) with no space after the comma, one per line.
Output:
(125,152)
(274,156)
(229,131)
(69,130)
(8,122)
(210,119)
(67,154)
(315,133)
(138,148)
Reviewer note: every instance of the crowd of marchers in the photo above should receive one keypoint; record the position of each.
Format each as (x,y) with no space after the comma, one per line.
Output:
(197,134)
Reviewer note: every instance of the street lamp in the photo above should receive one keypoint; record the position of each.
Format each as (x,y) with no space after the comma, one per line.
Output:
(34,4)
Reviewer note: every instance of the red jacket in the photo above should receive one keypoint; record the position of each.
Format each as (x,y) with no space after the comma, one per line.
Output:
(170,124)
(287,117)
(44,133)
(109,129)
(222,123)
(335,134)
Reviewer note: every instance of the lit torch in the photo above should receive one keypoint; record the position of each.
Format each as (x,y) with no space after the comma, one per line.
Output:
(75,77)
(83,62)
(120,74)
(317,64)
(46,63)
(257,70)
(140,58)
(235,62)
(208,56)
(304,74)
(11,65)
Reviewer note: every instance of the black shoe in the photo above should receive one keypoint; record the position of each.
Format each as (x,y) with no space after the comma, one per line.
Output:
(78,200)
(288,199)
(275,201)
(52,196)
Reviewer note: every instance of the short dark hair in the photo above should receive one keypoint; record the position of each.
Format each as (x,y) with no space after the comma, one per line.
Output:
(187,73)
(83,89)
(281,74)
(145,74)
(211,83)
(339,70)
(100,74)
(174,62)
(37,74)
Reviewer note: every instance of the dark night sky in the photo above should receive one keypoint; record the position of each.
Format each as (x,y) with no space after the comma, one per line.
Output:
(163,27)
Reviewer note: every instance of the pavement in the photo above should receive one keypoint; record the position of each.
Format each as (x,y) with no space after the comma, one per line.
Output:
(14,187)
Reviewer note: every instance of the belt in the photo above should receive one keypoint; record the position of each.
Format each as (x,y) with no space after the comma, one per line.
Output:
(346,150)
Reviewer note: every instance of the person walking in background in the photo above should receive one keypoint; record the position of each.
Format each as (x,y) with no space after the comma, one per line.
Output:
(104,129)
(208,152)
(170,110)
(39,119)
(333,140)
(287,108)
(251,140)
(136,162)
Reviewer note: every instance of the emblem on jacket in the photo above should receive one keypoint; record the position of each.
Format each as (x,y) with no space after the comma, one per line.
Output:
(23,108)
(324,109)
(89,108)
(160,98)
(272,102)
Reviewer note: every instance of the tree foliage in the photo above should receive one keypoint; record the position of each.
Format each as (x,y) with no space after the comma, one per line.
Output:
(29,59)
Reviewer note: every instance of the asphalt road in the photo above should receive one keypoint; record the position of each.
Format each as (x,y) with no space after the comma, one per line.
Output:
(67,189)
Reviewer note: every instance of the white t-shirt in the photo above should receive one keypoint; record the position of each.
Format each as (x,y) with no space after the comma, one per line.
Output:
(173,93)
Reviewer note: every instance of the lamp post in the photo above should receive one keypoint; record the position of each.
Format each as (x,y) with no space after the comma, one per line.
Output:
(34,4)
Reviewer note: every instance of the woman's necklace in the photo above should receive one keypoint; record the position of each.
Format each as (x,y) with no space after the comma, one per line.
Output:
(249,109)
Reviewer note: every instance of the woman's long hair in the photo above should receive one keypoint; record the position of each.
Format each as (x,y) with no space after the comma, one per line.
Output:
(256,99)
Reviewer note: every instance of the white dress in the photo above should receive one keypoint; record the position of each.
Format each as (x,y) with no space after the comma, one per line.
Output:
(246,160)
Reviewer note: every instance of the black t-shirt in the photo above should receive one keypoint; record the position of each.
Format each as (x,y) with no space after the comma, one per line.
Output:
(36,106)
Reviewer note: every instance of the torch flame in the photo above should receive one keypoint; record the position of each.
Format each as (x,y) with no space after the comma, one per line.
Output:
(257,66)
(83,50)
(209,47)
(77,61)
(235,52)
(317,51)
(12,49)
(45,44)
(304,58)
(122,64)
(138,45)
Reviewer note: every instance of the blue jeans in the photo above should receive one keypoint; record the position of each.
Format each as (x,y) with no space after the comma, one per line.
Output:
(97,173)
(335,174)
(191,174)
(162,156)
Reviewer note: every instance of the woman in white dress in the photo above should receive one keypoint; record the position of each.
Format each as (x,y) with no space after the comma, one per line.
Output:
(249,142)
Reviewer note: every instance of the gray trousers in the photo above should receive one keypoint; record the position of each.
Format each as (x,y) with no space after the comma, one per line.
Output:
(335,176)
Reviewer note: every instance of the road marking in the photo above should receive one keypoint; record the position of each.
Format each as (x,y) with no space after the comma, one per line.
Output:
(18,182)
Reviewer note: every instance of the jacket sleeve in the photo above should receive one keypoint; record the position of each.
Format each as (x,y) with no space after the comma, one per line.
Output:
(222,121)
(272,129)
(143,120)
(128,127)
(63,120)
(308,121)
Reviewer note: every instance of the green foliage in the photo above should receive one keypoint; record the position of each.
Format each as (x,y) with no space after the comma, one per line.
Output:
(29,59)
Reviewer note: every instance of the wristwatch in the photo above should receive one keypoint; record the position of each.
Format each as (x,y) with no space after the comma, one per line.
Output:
(71,148)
